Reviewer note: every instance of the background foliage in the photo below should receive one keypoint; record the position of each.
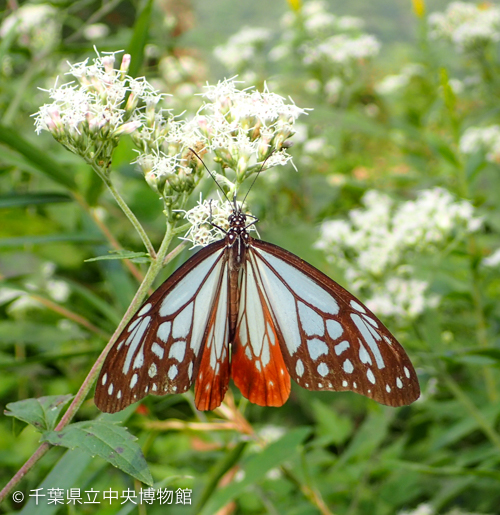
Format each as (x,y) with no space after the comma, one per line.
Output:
(321,452)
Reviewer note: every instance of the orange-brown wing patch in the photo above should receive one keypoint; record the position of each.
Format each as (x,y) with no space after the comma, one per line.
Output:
(258,368)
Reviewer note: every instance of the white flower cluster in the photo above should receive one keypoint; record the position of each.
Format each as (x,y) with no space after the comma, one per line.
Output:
(207,219)
(342,49)
(374,244)
(485,139)
(241,48)
(245,127)
(241,128)
(393,83)
(318,22)
(466,25)
(89,117)
(37,27)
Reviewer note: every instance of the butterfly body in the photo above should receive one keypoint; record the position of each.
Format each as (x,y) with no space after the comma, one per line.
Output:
(250,310)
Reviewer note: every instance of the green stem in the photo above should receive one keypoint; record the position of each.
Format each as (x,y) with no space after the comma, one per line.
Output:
(128,212)
(82,393)
(482,422)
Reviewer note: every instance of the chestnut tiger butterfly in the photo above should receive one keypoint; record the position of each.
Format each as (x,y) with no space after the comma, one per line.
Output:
(249,310)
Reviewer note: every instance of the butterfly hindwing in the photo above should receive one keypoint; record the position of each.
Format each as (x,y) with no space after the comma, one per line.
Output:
(161,347)
(329,339)
(258,368)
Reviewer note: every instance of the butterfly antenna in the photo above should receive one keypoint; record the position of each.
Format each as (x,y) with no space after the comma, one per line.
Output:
(255,178)
(210,173)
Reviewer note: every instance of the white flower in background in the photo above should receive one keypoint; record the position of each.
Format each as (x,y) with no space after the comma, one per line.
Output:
(374,244)
(466,25)
(402,297)
(421,509)
(95,31)
(207,219)
(394,83)
(342,49)
(486,139)
(37,27)
(241,47)
(492,260)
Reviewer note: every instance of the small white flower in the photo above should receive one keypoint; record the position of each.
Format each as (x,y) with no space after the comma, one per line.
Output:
(209,221)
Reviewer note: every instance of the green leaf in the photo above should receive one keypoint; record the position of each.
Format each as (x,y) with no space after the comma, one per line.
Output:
(257,466)
(139,39)
(111,442)
(332,428)
(41,413)
(30,199)
(71,471)
(50,238)
(136,257)
(36,156)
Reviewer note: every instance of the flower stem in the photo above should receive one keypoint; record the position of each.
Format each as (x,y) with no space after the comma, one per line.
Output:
(128,212)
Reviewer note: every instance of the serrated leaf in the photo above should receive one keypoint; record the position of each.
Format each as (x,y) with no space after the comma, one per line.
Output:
(107,440)
(257,466)
(41,413)
(136,257)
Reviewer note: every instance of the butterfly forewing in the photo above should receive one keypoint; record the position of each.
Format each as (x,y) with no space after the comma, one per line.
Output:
(159,350)
(329,339)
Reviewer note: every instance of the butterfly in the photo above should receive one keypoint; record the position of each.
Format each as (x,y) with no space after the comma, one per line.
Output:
(249,310)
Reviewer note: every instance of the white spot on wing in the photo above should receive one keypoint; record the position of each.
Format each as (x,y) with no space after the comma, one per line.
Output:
(316,348)
(344,384)
(399,383)
(133,381)
(172,372)
(347,366)
(182,322)
(110,389)
(178,350)
(407,372)
(357,306)
(119,395)
(334,329)
(299,368)
(157,350)
(366,332)
(388,388)
(312,323)
(104,379)
(370,376)
(323,369)
(190,371)
(341,347)
(363,354)
(144,309)
(135,338)
(164,331)
(152,370)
